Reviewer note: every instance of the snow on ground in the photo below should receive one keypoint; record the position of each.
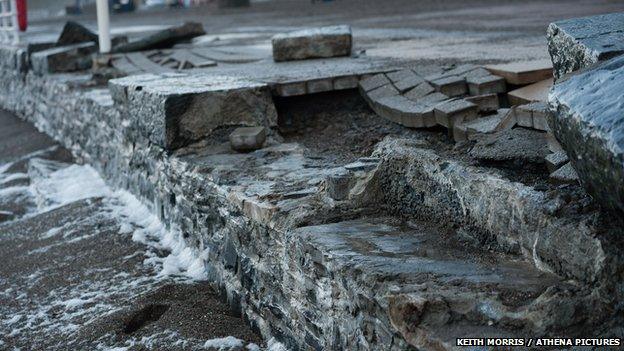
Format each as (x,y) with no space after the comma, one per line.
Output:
(100,291)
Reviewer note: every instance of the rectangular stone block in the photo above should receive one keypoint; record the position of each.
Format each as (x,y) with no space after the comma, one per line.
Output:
(523,73)
(455,111)
(530,93)
(451,86)
(247,138)
(489,84)
(484,125)
(173,110)
(320,86)
(508,121)
(304,44)
(291,89)
(487,103)
(69,58)
(369,83)
(348,82)
(420,91)
(524,118)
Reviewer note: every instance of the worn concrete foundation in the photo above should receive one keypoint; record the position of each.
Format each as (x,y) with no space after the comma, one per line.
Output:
(420,247)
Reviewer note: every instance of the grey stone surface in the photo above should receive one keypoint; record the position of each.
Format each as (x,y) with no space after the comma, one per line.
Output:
(523,72)
(587,117)
(320,42)
(373,82)
(420,91)
(577,43)
(484,125)
(69,58)
(248,138)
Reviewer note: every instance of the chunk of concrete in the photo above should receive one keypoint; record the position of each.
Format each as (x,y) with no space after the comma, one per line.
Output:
(69,58)
(530,93)
(248,138)
(565,175)
(522,73)
(578,43)
(524,118)
(587,119)
(451,112)
(382,92)
(486,84)
(451,86)
(401,110)
(311,43)
(165,38)
(508,121)
(173,110)
(555,160)
(487,103)
(420,91)
(532,115)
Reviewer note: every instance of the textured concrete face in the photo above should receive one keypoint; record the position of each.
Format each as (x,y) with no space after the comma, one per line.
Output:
(312,43)
(581,42)
(63,59)
(174,110)
(589,124)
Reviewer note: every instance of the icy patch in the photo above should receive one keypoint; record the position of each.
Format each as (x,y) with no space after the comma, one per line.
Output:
(226,343)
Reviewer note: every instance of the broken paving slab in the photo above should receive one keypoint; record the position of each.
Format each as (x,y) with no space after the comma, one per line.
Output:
(532,115)
(69,58)
(486,84)
(323,42)
(530,93)
(523,73)
(517,144)
(450,112)
(165,38)
(451,86)
(485,125)
(487,103)
(578,43)
(173,110)
(587,119)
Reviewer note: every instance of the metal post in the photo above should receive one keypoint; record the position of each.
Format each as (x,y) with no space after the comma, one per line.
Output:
(103,21)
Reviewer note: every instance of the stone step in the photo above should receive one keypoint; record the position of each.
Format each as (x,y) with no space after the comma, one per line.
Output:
(422,282)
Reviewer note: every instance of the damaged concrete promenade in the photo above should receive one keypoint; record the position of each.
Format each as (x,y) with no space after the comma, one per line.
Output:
(344,197)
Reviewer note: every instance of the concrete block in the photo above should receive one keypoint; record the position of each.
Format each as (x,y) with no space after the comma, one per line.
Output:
(248,138)
(400,75)
(291,89)
(348,82)
(489,84)
(487,103)
(310,43)
(524,117)
(459,133)
(508,121)
(450,112)
(483,125)
(382,92)
(523,73)
(165,38)
(320,85)
(451,86)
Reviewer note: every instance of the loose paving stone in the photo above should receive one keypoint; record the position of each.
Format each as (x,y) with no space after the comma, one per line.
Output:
(522,73)
(555,160)
(348,82)
(587,119)
(487,103)
(577,43)
(401,75)
(75,33)
(409,83)
(517,144)
(374,82)
(382,92)
(524,117)
(304,44)
(452,86)
(420,91)
(532,115)
(484,125)
(248,138)
(566,174)
(164,39)
(508,121)
(401,110)
(530,93)
(432,99)
(173,110)
(488,84)
(451,112)
(69,58)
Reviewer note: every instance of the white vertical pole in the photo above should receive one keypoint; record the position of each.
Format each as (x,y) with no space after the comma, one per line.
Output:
(15,22)
(103,21)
